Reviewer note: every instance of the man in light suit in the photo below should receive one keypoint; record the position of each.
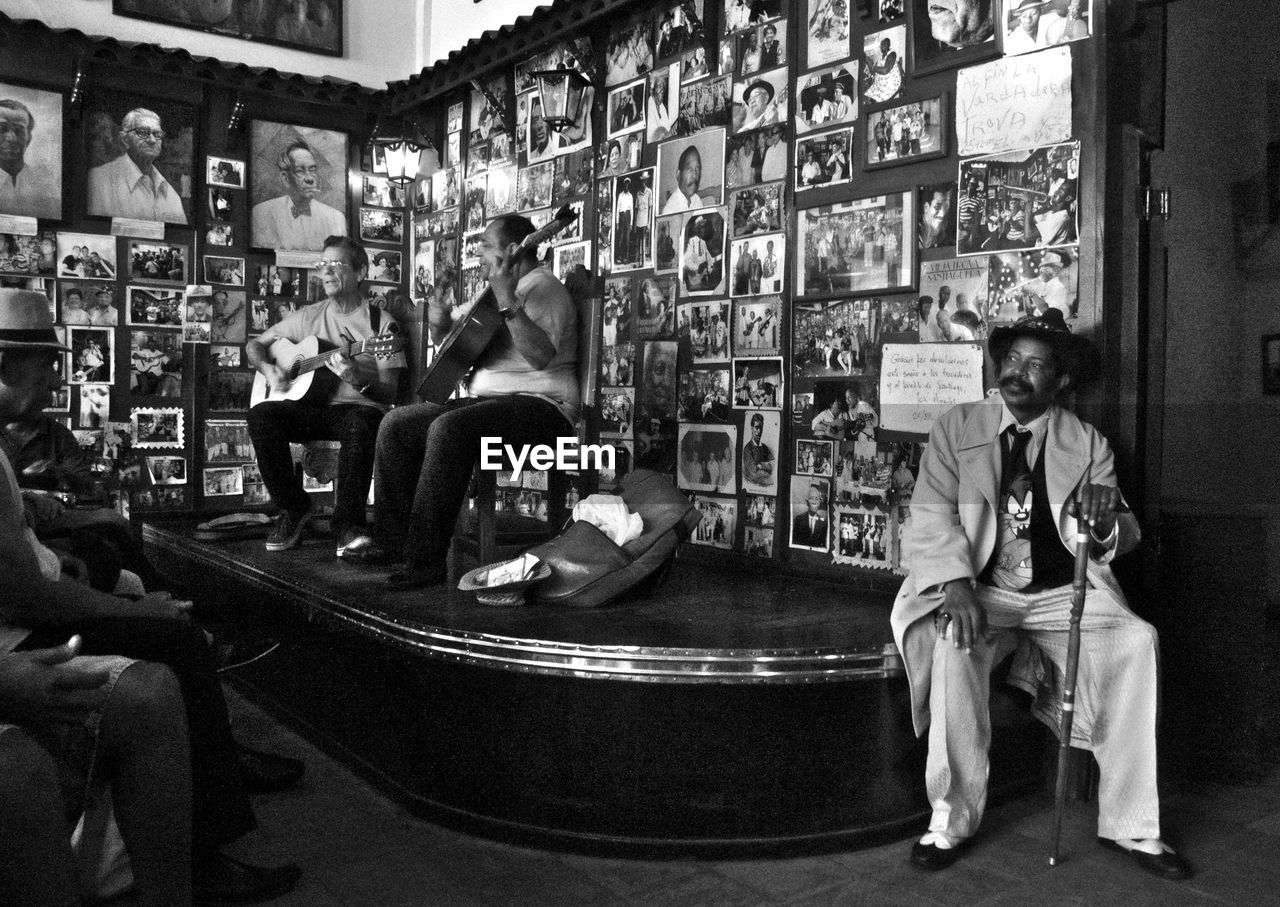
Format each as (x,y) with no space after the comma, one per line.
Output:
(990,560)
(297,219)
(809,529)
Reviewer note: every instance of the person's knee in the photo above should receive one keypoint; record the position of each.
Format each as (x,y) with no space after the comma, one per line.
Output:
(145,697)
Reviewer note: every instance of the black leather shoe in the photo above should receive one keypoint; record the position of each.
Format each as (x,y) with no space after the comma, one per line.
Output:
(410,579)
(266,773)
(223,880)
(1167,865)
(932,857)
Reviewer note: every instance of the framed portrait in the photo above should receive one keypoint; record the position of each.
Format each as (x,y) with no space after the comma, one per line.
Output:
(822,160)
(453,149)
(315,27)
(633,212)
(946,37)
(705,458)
(937,203)
(300,169)
(756,327)
(230,390)
(454,121)
(702,254)
(834,338)
(569,256)
(32,172)
(658,392)
(761,100)
(154,307)
(703,332)
(473,213)
(904,133)
(757,265)
(500,190)
(223,481)
(762,431)
(811,513)
(814,457)
(626,109)
(704,395)
(224,171)
(761,48)
(756,210)
(384,265)
(158,262)
(95,408)
(571,176)
(167,470)
(694,65)
(1027,283)
(380,192)
(92,355)
(827,34)
(867,245)
(704,104)
(629,52)
(1025,199)
(884,59)
(827,97)
(1271,363)
(717,527)
(663,105)
(89,255)
(757,383)
(1030,26)
(127,136)
(655,309)
(891,9)
(541,142)
(679,27)
(740,14)
(229,316)
(446,187)
(224,270)
(30,256)
(863,534)
(380,225)
(617,407)
(689,172)
(959,284)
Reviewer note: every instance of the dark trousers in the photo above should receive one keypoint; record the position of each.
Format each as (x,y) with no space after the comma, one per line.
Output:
(273,425)
(426,453)
(220,805)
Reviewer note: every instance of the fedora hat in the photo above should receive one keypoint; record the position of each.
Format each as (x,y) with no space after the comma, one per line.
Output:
(1076,354)
(198,289)
(25,322)
(763,86)
(1029,4)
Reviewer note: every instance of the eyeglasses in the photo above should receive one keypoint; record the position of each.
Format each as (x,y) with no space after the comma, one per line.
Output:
(313,170)
(329,264)
(157,134)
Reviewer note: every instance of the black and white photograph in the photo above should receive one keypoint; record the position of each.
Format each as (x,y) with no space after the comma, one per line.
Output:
(826,31)
(229,321)
(88,255)
(30,255)
(617,317)
(884,60)
(866,245)
(95,405)
(617,412)
(230,390)
(89,302)
(863,535)
(1029,283)
(155,363)
(757,209)
(951,286)
(811,514)
(655,312)
(540,141)
(703,267)
(453,150)
(224,270)
(937,215)
(814,457)
(757,383)
(227,441)
(153,306)
(666,252)
(225,356)
(759,454)
(314,26)
(575,53)
(836,338)
(755,157)
(679,27)
(827,98)
(695,65)
(500,190)
(705,458)
(446,187)
(663,106)
(382,193)
(891,10)
(1024,199)
(571,176)
(718,524)
(224,481)
(158,262)
(762,48)
(454,121)
(704,104)
(156,427)
(626,111)
(761,100)
(914,131)
(690,172)
(633,213)
(757,326)
(197,316)
(31,152)
(619,364)
(378,225)
(534,186)
(1034,24)
(224,171)
(569,256)
(629,53)
(224,206)
(703,330)
(92,355)
(167,470)
(473,213)
(488,104)
(740,14)
(384,265)
(757,265)
(823,160)
(140,154)
(297,187)
(658,391)
(949,35)
(704,395)
(757,541)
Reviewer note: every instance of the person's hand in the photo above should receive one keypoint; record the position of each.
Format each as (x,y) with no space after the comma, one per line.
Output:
(344,367)
(504,277)
(41,687)
(41,508)
(961,618)
(162,604)
(39,467)
(277,377)
(1098,505)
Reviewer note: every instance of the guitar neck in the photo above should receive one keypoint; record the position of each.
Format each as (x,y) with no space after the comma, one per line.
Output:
(311,363)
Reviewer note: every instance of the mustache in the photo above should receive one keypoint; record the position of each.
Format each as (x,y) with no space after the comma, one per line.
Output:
(1013,382)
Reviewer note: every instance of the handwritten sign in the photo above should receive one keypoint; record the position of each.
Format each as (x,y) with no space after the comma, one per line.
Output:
(1015,102)
(921,381)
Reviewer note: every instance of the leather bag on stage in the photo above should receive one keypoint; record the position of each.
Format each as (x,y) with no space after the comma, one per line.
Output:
(588,569)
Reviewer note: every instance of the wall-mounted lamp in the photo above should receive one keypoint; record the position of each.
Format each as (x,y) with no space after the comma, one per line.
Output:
(236,120)
(563,92)
(401,149)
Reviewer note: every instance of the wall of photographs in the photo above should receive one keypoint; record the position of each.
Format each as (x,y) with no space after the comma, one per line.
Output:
(140,191)
(785,202)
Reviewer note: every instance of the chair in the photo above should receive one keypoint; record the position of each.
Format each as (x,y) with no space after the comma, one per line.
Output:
(482,535)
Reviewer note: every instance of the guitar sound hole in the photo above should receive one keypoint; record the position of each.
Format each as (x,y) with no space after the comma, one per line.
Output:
(295,369)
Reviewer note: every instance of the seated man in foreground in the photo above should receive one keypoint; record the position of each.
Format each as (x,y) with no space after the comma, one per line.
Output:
(991,561)
(524,389)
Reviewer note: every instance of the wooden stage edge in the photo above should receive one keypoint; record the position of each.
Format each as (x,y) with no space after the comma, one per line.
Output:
(716,714)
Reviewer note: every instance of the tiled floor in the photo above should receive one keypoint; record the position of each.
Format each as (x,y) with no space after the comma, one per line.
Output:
(358,848)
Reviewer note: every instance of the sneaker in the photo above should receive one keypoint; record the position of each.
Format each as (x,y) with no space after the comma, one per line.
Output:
(287,530)
(356,545)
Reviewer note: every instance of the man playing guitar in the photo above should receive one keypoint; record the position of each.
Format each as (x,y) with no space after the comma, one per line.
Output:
(349,412)
(524,389)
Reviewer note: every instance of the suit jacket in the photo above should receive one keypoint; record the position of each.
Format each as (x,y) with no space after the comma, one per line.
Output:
(800,534)
(954,523)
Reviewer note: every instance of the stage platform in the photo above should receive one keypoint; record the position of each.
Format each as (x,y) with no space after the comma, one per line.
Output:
(739,710)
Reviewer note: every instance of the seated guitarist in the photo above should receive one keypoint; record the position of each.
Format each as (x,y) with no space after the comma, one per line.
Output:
(523,389)
(349,413)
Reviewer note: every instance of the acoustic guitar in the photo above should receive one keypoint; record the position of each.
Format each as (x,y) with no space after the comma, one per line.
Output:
(303,362)
(470,335)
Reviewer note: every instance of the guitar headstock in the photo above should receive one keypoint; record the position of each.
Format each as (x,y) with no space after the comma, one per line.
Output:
(384,345)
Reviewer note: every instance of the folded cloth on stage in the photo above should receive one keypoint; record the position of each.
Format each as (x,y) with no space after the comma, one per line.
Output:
(610,515)
(234,526)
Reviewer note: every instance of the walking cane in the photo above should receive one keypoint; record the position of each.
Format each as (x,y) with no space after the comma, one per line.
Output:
(1079,582)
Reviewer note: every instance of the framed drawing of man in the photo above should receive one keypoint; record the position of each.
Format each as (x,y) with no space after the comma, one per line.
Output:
(30,152)
(140,155)
(297,185)
(310,25)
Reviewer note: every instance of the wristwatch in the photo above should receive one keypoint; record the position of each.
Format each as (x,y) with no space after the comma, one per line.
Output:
(509,313)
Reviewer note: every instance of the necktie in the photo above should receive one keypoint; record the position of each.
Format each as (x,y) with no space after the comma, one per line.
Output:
(299,210)
(1012,567)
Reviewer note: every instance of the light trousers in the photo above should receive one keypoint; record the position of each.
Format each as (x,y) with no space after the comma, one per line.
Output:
(1116,699)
